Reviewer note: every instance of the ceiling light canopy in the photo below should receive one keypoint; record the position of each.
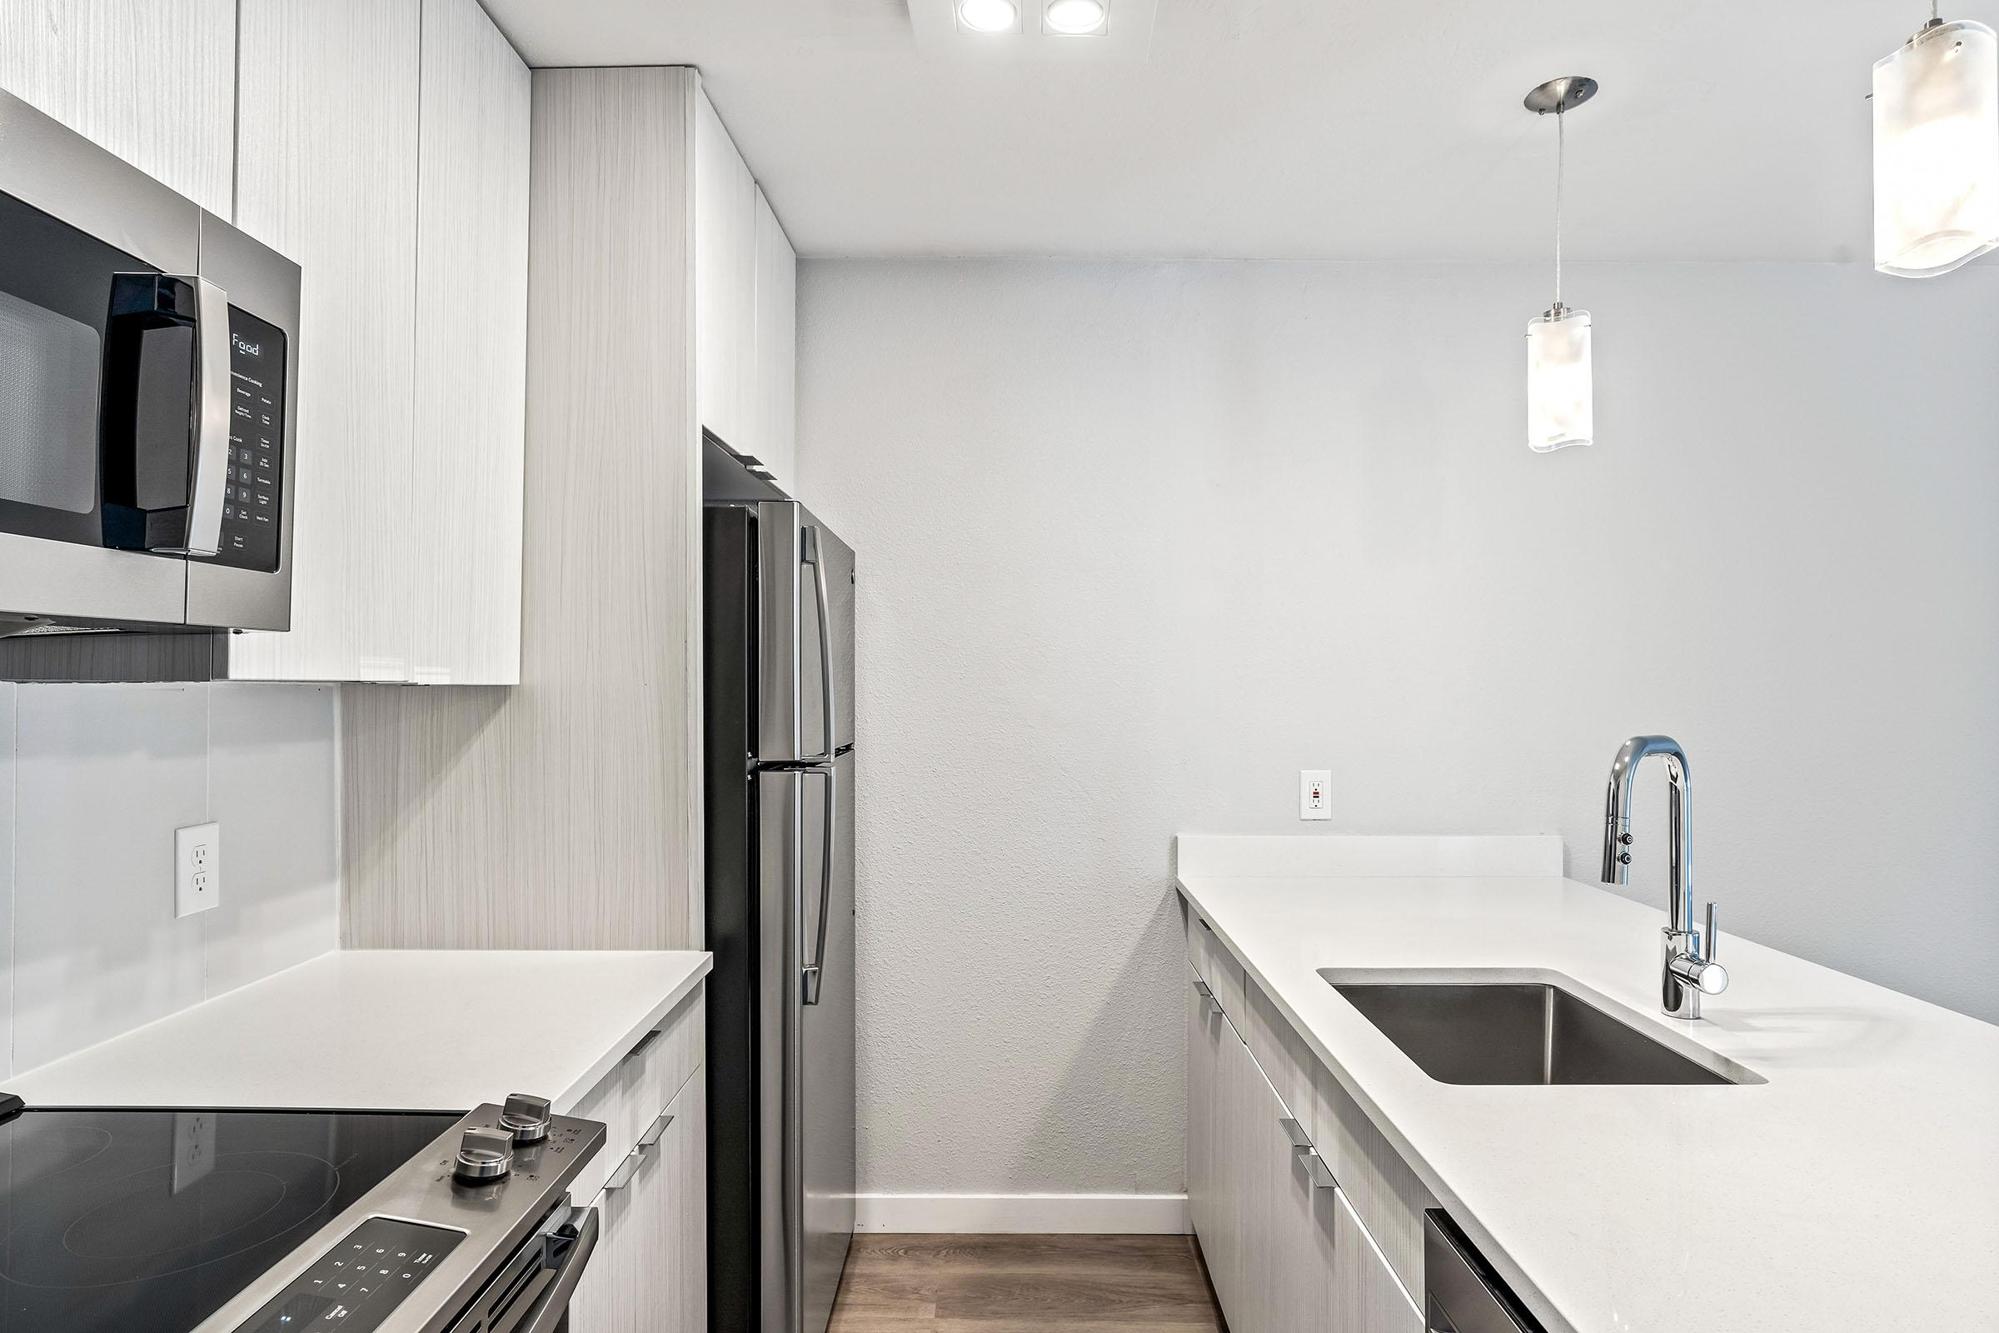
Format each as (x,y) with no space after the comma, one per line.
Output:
(989,15)
(1076,18)
(1561,394)
(1936,150)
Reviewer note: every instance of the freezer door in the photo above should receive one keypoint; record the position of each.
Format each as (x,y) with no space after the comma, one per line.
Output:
(809,1222)
(806,708)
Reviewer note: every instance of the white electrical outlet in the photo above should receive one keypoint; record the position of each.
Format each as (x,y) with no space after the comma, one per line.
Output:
(1314,793)
(197,868)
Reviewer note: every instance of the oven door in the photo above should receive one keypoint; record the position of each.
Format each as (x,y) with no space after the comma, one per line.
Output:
(99,314)
(532,1290)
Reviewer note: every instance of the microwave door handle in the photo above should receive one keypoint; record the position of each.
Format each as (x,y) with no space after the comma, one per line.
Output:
(192,523)
(208,472)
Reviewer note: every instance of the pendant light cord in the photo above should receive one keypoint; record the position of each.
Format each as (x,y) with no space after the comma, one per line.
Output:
(1560,153)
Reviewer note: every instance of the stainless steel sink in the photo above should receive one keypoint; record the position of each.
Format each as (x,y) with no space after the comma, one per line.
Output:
(1504,1029)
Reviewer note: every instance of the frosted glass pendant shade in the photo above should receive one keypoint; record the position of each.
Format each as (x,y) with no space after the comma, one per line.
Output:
(1560,406)
(1936,150)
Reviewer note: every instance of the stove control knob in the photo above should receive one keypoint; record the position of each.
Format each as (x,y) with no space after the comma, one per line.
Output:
(484,1155)
(526,1117)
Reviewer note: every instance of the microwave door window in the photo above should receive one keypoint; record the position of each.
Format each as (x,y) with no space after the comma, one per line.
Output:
(96,365)
(49,366)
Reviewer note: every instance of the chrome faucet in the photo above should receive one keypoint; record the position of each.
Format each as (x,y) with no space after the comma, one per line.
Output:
(1688,969)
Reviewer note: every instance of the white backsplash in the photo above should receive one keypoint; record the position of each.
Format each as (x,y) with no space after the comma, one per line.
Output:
(93,781)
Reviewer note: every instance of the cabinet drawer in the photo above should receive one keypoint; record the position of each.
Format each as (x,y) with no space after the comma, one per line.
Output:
(635,1093)
(1214,965)
(1280,1052)
(1382,1190)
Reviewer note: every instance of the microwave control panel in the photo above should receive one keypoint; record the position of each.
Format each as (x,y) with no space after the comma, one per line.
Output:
(254,498)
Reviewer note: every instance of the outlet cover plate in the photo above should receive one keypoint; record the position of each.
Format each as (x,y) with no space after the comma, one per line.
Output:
(1315,797)
(197,868)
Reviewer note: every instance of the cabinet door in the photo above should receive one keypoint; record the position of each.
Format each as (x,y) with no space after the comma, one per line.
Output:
(154,82)
(1292,1295)
(471,350)
(1361,1292)
(327,174)
(1245,1138)
(1200,1082)
(773,434)
(725,282)
(650,1271)
(1214,1187)
(606,1298)
(673,1282)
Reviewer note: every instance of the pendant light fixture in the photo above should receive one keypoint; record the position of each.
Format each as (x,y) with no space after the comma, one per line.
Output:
(1560,407)
(1936,149)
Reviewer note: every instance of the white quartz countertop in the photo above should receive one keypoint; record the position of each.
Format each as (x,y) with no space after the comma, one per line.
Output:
(1858,1188)
(387,1029)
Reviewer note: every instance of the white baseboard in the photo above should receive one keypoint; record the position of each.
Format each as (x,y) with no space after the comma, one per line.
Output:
(1027,1214)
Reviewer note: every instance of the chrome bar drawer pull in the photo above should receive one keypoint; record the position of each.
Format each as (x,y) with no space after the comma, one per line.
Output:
(626,1170)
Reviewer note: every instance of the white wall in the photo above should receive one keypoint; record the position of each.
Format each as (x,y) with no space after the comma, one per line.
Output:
(93,781)
(1138,542)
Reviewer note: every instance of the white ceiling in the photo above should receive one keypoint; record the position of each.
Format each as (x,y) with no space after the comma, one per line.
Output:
(1287,128)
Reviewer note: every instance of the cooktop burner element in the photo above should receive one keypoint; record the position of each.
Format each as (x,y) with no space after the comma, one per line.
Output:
(150,1220)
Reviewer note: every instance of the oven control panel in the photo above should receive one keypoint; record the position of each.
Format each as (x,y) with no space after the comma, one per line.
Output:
(358,1283)
(254,498)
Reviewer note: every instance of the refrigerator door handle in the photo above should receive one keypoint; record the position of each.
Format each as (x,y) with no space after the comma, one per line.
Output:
(809,554)
(814,972)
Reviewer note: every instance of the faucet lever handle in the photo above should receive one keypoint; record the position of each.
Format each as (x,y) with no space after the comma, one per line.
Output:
(1710,936)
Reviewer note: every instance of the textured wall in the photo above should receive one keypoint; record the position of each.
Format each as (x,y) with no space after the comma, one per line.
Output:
(1138,542)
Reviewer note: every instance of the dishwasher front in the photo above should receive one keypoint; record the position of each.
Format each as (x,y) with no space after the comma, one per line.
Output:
(1463,1293)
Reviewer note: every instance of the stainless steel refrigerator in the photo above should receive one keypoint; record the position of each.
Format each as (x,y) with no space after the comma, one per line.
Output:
(779,661)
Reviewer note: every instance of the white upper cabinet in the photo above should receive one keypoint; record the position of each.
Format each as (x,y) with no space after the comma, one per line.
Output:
(745,305)
(725,283)
(471,350)
(774,422)
(384,146)
(327,174)
(154,82)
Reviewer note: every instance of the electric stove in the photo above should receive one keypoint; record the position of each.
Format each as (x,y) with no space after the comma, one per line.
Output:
(168,1221)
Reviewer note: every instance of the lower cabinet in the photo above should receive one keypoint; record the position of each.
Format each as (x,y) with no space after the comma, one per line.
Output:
(650,1271)
(1284,1247)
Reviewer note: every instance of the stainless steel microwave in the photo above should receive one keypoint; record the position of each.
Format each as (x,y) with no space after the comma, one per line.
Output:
(148,367)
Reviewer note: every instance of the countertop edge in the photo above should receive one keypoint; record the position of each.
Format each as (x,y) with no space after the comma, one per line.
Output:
(1487,1245)
(610,1059)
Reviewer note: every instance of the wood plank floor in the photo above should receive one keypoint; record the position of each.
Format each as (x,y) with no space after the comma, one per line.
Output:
(1024,1284)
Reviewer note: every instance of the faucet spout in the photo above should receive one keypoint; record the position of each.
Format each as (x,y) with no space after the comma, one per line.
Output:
(1690,969)
(1680,812)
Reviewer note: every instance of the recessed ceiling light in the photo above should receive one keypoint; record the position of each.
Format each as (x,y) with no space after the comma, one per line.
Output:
(1076,18)
(988,15)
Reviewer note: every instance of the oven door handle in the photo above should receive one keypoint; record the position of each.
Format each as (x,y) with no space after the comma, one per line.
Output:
(568,1251)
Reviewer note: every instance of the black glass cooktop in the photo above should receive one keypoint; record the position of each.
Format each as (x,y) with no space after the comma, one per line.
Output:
(147,1221)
